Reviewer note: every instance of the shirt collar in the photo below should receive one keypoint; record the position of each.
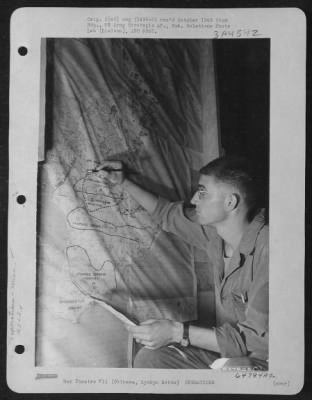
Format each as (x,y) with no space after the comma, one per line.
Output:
(248,242)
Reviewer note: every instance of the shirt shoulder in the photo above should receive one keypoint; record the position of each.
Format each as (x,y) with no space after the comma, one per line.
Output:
(263,238)
(261,253)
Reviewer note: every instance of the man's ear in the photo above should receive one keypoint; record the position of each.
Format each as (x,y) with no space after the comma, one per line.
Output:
(233,201)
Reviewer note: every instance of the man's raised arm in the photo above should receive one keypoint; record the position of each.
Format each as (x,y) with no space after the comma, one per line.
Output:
(172,216)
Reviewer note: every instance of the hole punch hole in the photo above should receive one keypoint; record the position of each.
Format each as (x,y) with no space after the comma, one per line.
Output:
(19,349)
(22,51)
(21,199)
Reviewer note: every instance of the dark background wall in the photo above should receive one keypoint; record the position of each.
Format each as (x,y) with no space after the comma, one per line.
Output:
(243,87)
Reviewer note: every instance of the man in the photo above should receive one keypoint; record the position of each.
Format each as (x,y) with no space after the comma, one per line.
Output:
(232,229)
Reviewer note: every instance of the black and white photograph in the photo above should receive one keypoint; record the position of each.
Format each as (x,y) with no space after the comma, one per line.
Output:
(151,198)
(130,121)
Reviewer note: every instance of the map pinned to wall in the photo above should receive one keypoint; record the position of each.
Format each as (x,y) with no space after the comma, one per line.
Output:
(115,99)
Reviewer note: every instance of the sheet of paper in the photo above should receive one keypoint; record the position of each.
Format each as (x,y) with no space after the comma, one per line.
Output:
(123,318)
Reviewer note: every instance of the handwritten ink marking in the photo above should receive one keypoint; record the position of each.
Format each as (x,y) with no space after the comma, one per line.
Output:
(11,306)
(46,376)
(225,33)
(19,317)
(254,374)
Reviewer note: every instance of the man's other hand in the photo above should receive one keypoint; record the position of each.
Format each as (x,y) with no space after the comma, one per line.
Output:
(157,333)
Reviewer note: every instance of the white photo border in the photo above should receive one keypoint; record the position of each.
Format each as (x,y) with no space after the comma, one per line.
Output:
(286,29)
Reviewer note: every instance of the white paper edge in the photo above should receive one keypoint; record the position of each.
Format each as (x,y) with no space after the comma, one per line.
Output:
(287,30)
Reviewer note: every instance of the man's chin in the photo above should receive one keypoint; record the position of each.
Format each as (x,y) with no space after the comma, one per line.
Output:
(196,217)
(201,221)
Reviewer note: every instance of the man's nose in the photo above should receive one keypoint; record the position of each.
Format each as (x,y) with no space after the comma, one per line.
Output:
(194,199)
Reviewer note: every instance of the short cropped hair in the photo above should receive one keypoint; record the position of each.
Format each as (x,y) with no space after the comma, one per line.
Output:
(238,172)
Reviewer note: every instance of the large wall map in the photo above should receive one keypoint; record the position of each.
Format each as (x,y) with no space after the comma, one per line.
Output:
(138,101)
